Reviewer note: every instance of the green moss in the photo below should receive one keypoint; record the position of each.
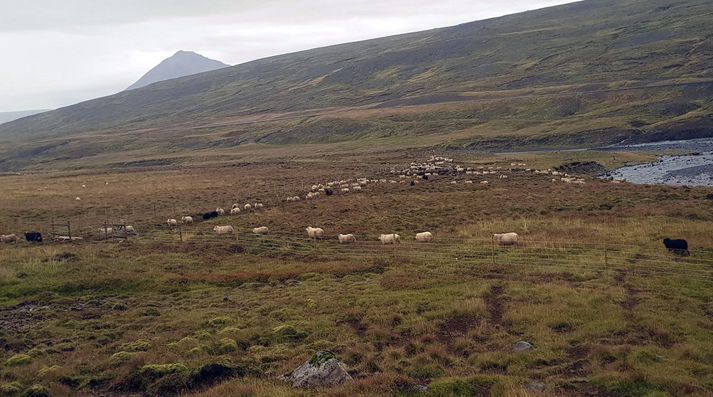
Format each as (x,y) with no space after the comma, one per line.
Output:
(121,357)
(320,358)
(18,360)
(157,370)
(229,331)
(36,391)
(287,333)
(196,351)
(140,345)
(630,386)
(220,321)
(426,372)
(224,346)
(10,389)
(48,371)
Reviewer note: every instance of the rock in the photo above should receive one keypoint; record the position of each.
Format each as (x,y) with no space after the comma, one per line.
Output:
(582,168)
(323,370)
(522,346)
(537,387)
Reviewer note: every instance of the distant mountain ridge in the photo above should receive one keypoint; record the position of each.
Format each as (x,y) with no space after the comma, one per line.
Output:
(181,64)
(585,74)
(6,117)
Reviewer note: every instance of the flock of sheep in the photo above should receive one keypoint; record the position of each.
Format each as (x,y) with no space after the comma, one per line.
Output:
(416,172)
(435,166)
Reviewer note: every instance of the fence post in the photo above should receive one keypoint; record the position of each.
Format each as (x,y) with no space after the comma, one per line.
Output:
(492,246)
(69,231)
(180,232)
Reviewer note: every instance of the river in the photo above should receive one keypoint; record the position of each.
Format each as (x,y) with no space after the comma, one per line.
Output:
(692,169)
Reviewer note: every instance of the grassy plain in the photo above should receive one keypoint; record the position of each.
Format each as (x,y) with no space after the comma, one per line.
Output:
(608,311)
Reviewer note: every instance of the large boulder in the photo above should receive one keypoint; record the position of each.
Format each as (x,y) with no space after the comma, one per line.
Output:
(322,370)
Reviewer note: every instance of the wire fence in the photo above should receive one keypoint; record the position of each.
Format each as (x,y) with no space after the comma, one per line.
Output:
(646,260)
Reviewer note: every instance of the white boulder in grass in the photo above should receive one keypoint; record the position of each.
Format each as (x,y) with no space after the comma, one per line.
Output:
(322,370)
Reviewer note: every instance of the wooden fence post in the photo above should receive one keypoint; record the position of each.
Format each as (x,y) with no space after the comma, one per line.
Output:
(492,245)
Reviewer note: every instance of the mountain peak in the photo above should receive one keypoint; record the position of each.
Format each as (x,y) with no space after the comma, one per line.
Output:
(182,63)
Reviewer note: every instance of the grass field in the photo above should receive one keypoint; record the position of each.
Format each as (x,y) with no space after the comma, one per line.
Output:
(608,311)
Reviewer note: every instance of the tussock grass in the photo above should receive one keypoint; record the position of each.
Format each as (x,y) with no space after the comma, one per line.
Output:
(606,308)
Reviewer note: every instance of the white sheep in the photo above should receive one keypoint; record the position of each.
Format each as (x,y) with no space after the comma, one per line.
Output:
(346,238)
(224,230)
(261,230)
(392,238)
(506,238)
(424,237)
(314,232)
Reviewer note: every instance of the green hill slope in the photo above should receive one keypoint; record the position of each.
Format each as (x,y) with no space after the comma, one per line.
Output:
(587,73)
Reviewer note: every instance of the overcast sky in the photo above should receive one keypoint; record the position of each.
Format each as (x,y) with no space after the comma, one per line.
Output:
(59,52)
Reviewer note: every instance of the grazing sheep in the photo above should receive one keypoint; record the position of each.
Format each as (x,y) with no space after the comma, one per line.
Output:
(224,230)
(347,239)
(678,247)
(314,232)
(210,215)
(235,206)
(259,206)
(235,211)
(390,238)
(172,222)
(248,207)
(187,220)
(9,238)
(506,238)
(261,230)
(357,188)
(33,237)
(345,190)
(220,211)
(424,237)
(106,230)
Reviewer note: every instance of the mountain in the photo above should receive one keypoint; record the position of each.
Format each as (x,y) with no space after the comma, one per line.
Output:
(589,73)
(182,63)
(11,116)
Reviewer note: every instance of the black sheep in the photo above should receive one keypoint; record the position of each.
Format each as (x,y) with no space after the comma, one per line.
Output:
(678,247)
(33,237)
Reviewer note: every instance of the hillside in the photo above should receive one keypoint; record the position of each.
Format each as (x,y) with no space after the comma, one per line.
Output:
(181,64)
(11,116)
(589,73)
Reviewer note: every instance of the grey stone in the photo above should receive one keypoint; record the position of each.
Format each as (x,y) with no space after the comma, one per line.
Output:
(537,387)
(522,346)
(319,373)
